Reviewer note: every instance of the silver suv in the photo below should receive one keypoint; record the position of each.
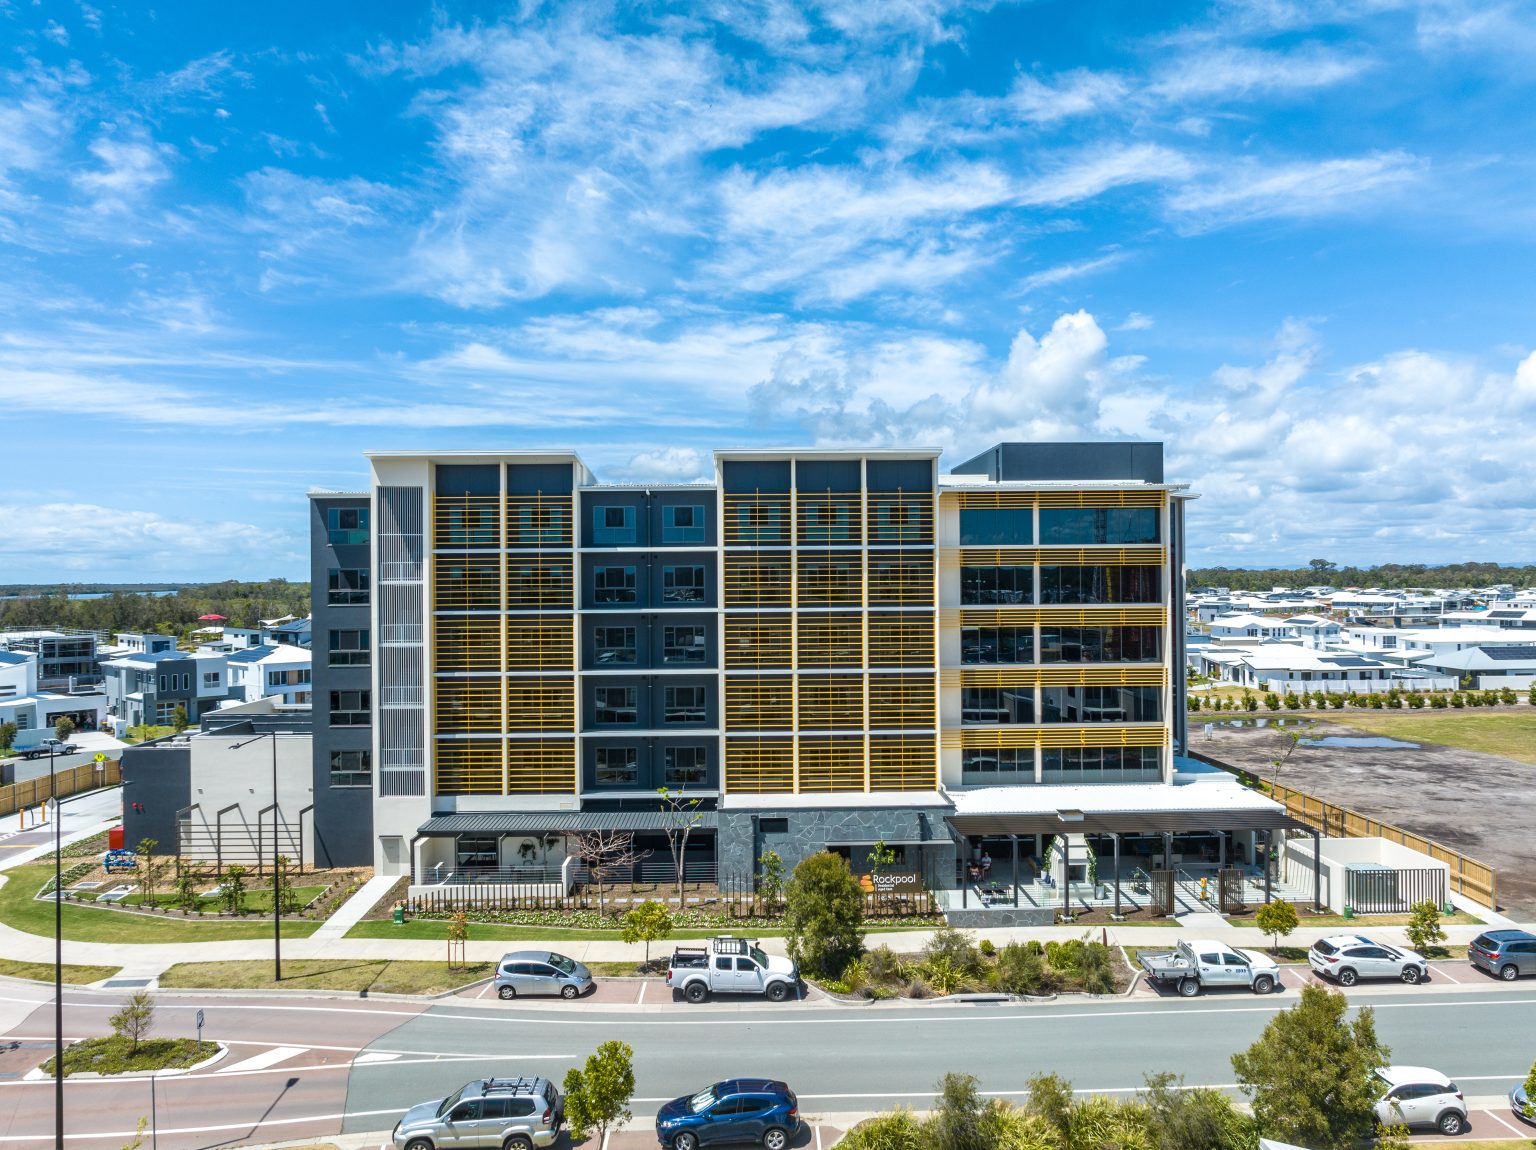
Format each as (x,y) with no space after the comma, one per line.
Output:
(496,1113)
(1347,958)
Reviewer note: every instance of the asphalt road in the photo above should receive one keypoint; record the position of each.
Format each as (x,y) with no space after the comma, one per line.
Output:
(38,768)
(307,1067)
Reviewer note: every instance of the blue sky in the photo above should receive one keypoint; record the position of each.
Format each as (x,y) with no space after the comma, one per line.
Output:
(241,244)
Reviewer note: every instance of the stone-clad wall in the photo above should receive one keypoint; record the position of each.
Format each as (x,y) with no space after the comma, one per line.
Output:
(810,831)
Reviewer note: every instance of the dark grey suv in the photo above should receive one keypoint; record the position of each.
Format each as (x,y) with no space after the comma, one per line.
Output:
(495,1113)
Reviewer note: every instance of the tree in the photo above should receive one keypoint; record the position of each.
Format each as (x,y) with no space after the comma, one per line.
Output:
(604,853)
(880,856)
(186,887)
(680,814)
(1309,1075)
(1530,1084)
(232,889)
(597,1095)
(1322,568)
(824,914)
(134,1020)
(64,728)
(8,732)
(149,870)
(287,897)
(649,922)
(1276,919)
(770,880)
(1272,700)
(1193,1118)
(1424,933)
(959,1119)
(179,719)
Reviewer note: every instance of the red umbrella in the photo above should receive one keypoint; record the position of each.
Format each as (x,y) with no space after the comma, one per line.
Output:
(211,619)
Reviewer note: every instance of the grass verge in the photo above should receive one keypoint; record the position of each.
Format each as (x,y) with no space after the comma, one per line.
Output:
(43,971)
(379,976)
(1508,733)
(83,923)
(111,1055)
(494,932)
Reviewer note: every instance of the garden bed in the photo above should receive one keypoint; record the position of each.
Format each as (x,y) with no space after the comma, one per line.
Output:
(111,1055)
(373,975)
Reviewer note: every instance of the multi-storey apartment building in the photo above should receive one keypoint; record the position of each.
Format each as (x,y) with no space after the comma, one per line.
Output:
(827,648)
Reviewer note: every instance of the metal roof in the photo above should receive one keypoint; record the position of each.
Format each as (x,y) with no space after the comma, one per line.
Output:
(559,822)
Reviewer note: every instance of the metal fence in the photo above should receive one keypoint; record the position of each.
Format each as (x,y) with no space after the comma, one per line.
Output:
(71,781)
(1388,890)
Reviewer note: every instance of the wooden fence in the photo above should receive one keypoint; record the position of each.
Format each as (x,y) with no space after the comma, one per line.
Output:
(71,781)
(1469,877)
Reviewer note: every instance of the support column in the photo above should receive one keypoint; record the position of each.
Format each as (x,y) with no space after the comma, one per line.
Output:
(1014,873)
(1116,837)
(1066,875)
(1269,858)
(1317,870)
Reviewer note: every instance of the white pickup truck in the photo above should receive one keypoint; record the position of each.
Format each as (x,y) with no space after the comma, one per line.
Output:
(731,966)
(1204,962)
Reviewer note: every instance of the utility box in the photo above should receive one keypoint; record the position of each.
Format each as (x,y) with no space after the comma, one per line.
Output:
(115,839)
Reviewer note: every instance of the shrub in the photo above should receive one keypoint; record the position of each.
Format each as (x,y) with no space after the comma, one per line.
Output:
(955,947)
(855,976)
(883,964)
(1272,701)
(1035,946)
(987,948)
(897,1129)
(1490,698)
(1276,919)
(1437,702)
(1292,703)
(1249,702)
(1097,968)
(943,975)
(1457,700)
(1416,701)
(824,914)
(916,988)
(1395,701)
(1424,931)
(1508,697)
(1021,970)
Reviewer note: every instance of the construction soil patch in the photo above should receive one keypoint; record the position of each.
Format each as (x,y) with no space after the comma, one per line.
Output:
(1481,805)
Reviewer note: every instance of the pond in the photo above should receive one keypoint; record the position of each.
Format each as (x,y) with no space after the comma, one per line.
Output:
(1357,741)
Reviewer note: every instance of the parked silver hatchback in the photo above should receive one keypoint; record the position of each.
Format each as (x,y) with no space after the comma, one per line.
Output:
(529,972)
(494,1113)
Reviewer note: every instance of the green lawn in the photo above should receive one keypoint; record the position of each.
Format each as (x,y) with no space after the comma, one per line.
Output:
(147,732)
(83,923)
(491,932)
(258,899)
(1508,733)
(328,974)
(43,971)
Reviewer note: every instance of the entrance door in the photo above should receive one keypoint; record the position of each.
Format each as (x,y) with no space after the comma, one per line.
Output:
(393,849)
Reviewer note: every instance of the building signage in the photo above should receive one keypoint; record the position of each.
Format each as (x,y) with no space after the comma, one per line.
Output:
(892,882)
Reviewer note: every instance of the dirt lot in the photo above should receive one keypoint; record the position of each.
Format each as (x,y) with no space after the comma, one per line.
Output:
(1482,805)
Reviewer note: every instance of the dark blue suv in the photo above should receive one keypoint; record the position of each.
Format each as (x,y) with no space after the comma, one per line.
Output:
(739,1110)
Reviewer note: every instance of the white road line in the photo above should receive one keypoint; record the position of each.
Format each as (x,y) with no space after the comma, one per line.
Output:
(641,998)
(1503,1123)
(483,989)
(263,1060)
(373,1056)
(212,1129)
(1448,974)
(818,1136)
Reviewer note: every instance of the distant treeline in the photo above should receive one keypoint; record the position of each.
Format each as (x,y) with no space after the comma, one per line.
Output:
(1394,575)
(242,604)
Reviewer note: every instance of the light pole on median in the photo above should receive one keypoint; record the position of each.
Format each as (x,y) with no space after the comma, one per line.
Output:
(58,954)
(277,909)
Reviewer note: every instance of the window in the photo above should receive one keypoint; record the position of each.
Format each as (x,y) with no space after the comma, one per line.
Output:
(163,686)
(1101,644)
(618,767)
(773,826)
(682,584)
(614,584)
(351,768)
(350,708)
(998,765)
(287,678)
(997,526)
(615,705)
(682,524)
(686,767)
(683,644)
(348,649)
(997,705)
(997,585)
(997,645)
(210,678)
(683,705)
(346,526)
(613,525)
(1083,526)
(1079,584)
(1100,764)
(347,586)
(1101,705)
(613,645)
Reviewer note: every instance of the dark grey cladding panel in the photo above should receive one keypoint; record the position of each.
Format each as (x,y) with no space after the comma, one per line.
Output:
(468,479)
(827,475)
(744,476)
(899,474)
(1068,462)
(533,478)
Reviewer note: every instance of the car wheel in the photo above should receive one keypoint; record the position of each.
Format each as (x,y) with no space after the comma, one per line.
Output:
(1412,974)
(775,1139)
(517,1142)
(568,991)
(1263,984)
(685,1141)
(1509,972)
(777,992)
(1348,977)
(506,992)
(419,1144)
(1189,987)
(1451,1123)
(696,992)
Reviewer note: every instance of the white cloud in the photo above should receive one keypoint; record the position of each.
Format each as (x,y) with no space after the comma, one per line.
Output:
(1098,170)
(1065,95)
(1064,272)
(1233,71)
(1300,189)
(130,166)
(667,465)
(1136,321)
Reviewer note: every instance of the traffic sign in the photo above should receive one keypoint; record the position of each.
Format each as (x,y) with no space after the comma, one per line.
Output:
(199,1019)
(100,758)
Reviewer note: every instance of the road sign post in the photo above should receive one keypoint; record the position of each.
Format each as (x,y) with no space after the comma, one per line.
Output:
(199,1031)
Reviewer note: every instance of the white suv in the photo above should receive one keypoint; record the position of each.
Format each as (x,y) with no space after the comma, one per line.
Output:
(1419,1096)
(1347,958)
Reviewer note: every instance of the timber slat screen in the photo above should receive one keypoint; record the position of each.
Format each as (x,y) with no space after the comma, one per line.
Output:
(71,781)
(1478,881)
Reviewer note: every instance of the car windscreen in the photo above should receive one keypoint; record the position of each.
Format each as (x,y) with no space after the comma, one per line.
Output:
(1323,946)
(448,1103)
(562,964)
(702,1101)
(758,957)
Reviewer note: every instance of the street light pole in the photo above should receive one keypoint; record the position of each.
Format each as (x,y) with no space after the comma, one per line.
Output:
(58,956)
(277,909)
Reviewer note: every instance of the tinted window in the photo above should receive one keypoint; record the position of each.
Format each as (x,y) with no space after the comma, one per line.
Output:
(1088,525)
(728,1106)
(1001,526)
(465,1112)
(722,964)
(1231,960)
(1323,946)
(746,964)
(1211,959)
(492,1108)
(519,1107)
